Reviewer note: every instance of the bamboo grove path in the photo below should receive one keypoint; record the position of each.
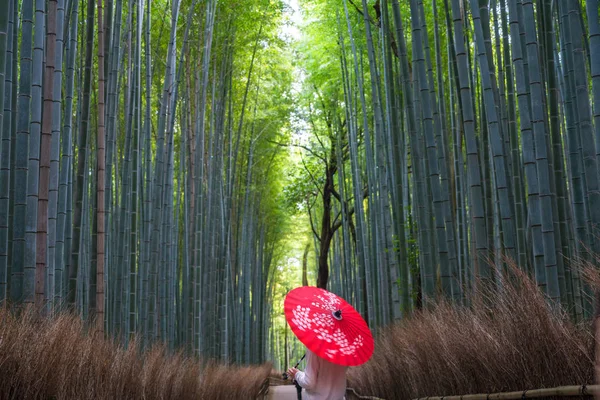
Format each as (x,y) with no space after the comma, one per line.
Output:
(285,392)
(281,391)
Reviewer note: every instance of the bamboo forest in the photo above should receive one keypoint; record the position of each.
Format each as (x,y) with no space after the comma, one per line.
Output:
(171,169)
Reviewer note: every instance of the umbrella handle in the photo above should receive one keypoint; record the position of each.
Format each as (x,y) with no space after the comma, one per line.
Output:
(285,375)
(299,361)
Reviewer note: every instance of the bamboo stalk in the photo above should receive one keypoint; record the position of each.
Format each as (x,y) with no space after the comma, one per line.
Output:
(474,178)
(100,180)
(367,264)
(360,242)
(5,115)
(44,163)
(57,102)
(82,158)
(35,143)
(21,149)
(64,188)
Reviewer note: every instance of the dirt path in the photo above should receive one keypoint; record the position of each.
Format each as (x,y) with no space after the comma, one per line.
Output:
(287,392)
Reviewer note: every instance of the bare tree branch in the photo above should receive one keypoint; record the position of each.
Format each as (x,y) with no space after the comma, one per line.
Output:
(311,151)
(312,225)
(312,123)
(371,20)
(312,178)
(336,194)
(337,221)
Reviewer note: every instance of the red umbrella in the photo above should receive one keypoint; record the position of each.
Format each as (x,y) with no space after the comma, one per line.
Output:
(328,326)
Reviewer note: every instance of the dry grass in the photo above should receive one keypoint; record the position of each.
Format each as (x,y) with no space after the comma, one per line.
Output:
(56,358)
(512,341)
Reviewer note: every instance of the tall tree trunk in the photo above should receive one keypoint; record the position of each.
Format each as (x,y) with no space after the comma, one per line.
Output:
(327,230)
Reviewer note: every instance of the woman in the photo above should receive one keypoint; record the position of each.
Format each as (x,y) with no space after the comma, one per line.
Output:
(322,380)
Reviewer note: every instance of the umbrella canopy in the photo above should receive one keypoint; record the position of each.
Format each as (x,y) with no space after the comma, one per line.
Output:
(328,326)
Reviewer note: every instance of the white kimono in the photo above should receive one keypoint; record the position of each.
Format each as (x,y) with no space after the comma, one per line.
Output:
(322,380)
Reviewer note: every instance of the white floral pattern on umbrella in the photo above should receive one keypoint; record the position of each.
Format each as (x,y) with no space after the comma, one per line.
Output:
(328,325)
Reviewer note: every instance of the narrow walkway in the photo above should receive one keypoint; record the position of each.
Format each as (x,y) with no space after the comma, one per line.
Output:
(287,392)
